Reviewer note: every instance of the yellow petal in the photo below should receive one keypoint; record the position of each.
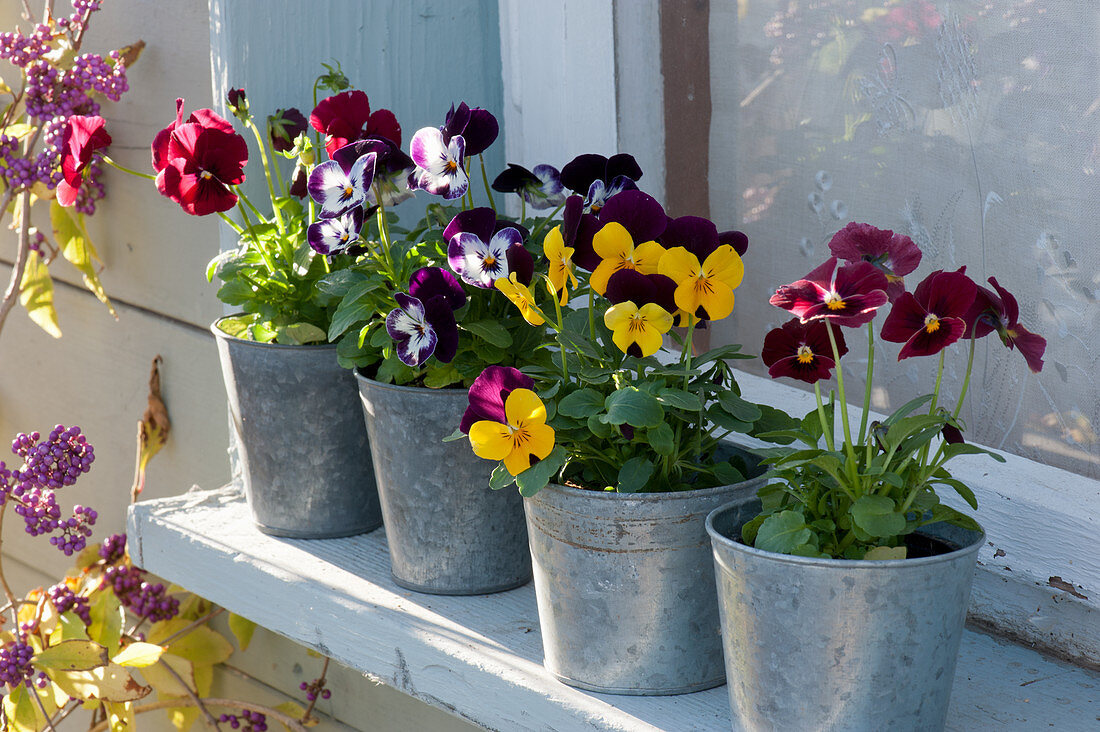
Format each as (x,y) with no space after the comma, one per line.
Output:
(679,264)
(647,257)
(517,461)
(553,244)
(613,241)
(712,295)
(540,440)
(656,316)
(649,341)
(490,440)
(524,408)
(725,264)
(618,316)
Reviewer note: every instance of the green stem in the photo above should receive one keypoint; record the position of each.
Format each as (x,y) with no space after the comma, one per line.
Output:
(939,379)
(966,380)
(826,428)
(124,169)
(867,387)
(485,179)
(591,315)
(267,176)
(232,224)
(522,209)
(685,355)
(848,448)
(542,224)
(260,249)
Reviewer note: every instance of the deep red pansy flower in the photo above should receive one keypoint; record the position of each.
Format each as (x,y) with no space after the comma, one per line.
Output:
(931,317)
(205,118)
(1000,312)
(849,295)
(801,351)
(346,117)
(201,165)
(896,255)
(82,136)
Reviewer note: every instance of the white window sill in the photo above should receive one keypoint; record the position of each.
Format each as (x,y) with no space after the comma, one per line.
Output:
(481,657)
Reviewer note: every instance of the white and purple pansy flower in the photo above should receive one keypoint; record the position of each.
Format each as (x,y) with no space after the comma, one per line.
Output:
(339,187)
(478,127)
(541,188)
(335,235)
(391,170)
(422,329)
(440,164)
(598,178)
(481,249)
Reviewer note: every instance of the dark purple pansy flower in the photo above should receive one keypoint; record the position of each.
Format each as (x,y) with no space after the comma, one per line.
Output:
(896,255)
(477,126)
(335,235)
(1000,312)
(299,182)
(237,101)
(694,233)
(339,186)
(421,329)
(391,168)
(801,351)
(578,228)
(489,392)
(930,318)
(540,188)
(736,239)
(284,126)
(639,213)
(849,296)
(638,288)
(440,164)
(481,249)
(429,282)
(599,178)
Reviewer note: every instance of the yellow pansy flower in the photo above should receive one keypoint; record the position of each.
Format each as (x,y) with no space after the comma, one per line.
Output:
(526,434)
(705,290)
(521,296)
(561,264)
(637,331)
(615,245)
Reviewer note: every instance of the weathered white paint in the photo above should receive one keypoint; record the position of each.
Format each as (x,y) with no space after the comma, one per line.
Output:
(639,89)
(480,657)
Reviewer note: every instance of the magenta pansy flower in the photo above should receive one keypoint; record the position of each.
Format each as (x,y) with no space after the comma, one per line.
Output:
(423,328)
(802,351)
(490,391)
(998,311)
(346,117)
(849,295)
(931,317)
(391,169)
(81,138)
(198,162)
(896,255)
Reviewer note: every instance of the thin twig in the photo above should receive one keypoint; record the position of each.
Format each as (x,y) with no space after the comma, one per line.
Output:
(12,601)
(184,631)
(291,723)
(21,256)
(65,711)
(211,721)
(37,698)
(317,694)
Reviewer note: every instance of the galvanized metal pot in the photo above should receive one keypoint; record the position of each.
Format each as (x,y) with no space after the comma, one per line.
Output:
(833,644)
(623,583)
(303,450)
(448,532)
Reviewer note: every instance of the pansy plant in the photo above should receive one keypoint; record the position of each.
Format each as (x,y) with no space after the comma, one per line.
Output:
(862,493)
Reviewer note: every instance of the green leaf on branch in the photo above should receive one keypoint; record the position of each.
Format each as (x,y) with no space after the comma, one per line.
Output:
(76,247)
(301,334)
(632,406)
(72,655)
(535,478)
(661,439)
(500,478)
(680,399)
(242,629)
(782,532)
(21,711)
(634,474)
(107,615)
(490,331)
(110,683)
(581,404)
(877,516)
(961,488)
(36,295)
(738,408)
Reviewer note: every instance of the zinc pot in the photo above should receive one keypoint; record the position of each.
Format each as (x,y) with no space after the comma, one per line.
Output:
(624,588)
(303,450)
(834,644)
(448,532)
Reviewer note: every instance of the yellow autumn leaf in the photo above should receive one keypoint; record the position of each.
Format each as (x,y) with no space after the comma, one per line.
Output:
(242,628)
(76,247)
(168,684)
(201,645)
(21,711)
(36,295)
(109,683)
(72,655)
(139,655)
(121,717)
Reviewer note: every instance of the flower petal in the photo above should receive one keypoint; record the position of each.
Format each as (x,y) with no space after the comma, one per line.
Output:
(523,407)
(490,440)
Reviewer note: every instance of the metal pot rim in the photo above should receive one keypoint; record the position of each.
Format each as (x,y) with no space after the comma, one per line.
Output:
(222,335)
(846,564)
(643,497)
(396,387)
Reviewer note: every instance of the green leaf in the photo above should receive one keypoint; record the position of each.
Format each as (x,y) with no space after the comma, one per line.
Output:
(242,629)
(962,489)
(380,338)
(965,448)
(782,532)
(438,376)
(20,710)
(632,406)
(500,478)
(535,478)
(751,528)
(36,295)
(876,515)
(680,399)
(336,284)
(69,627)
(301,334)
(738,408)
(727,422)
(72,655)
(908,407)
(721,353)
(455,436)
(727,474)
(581,404)
(76,247)
(885,552)
(490,331)
(201,645)
(108,616)
(599,428)
(661,439)
(634,474)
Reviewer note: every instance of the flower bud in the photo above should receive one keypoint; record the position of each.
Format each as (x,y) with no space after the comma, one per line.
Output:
(238,102)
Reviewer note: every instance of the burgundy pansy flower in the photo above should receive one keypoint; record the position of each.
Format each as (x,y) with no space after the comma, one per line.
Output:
(598,178)
(998,311)
(391,169)
(284,126)
(82,137)
(540,188)
(477,127)
(199,162)
(931,317)
(481,249)
(896,255)
(337,234)
(801,351)
(849,295)
(237,101)
(489,392)
(346,117)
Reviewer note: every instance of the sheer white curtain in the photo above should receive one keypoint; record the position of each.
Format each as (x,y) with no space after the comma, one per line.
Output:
(973,127)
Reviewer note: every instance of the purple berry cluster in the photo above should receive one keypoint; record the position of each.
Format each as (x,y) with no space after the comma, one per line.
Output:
(314,689)
(113,548)
(15,664)
(252,721)
(142,598)
(65,600)
(48,465)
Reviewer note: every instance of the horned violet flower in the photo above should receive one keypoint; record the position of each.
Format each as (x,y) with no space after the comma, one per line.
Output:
(801,351)
(931,317)
(521,440)
(637,331)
